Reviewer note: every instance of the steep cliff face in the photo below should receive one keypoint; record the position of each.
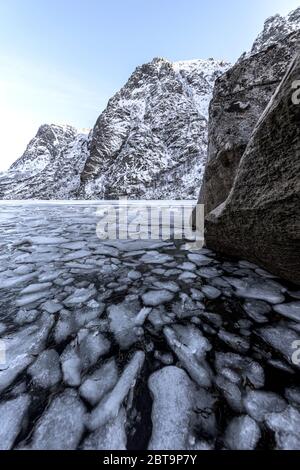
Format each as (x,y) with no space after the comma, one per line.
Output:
(151,140)
(260,219)
(50,167)
(240,97)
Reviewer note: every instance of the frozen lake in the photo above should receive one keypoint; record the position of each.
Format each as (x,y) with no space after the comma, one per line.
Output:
(101,340)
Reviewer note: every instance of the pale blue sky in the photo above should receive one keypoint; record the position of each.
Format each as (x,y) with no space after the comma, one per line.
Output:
(61,60)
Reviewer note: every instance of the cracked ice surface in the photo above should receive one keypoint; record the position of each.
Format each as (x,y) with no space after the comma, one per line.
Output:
(139,344)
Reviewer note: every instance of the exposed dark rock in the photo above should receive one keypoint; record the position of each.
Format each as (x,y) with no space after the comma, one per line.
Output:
(240,96)
(260,219)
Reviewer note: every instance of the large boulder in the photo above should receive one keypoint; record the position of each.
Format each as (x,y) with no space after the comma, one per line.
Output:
(260,219)
(240,97)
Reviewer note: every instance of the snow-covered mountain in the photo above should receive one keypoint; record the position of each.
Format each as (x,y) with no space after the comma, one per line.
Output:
(150,142)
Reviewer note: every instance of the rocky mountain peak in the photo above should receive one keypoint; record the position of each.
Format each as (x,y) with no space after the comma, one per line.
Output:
(150,142)
(275,29)
(44,148)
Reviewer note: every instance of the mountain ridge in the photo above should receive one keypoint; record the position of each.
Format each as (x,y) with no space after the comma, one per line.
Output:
(149,143)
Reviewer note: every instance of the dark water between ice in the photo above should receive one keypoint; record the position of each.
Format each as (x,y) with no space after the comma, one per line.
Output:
(136,344)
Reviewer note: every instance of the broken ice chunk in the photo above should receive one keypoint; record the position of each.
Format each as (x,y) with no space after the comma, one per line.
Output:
(257,288)
(21,348)
(124,317)
(79,296)
(71,366)
(242,433)
(52,306)
(290,310)
(245,367)
(259,403)
(174,395)
(96,385)
(12,413)
(190,347)
(155,257)
(286,426)
(31,298)
(109,407)
(26,316)
(231,393)
(45,372)
(282,339)
(61,425)
(111,436)
(153,298)
(199,260)
(92,345)
(211,292)
(234,341)
(32,288)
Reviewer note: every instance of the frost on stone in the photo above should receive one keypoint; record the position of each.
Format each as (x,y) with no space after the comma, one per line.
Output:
(173,402)
(109,407)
